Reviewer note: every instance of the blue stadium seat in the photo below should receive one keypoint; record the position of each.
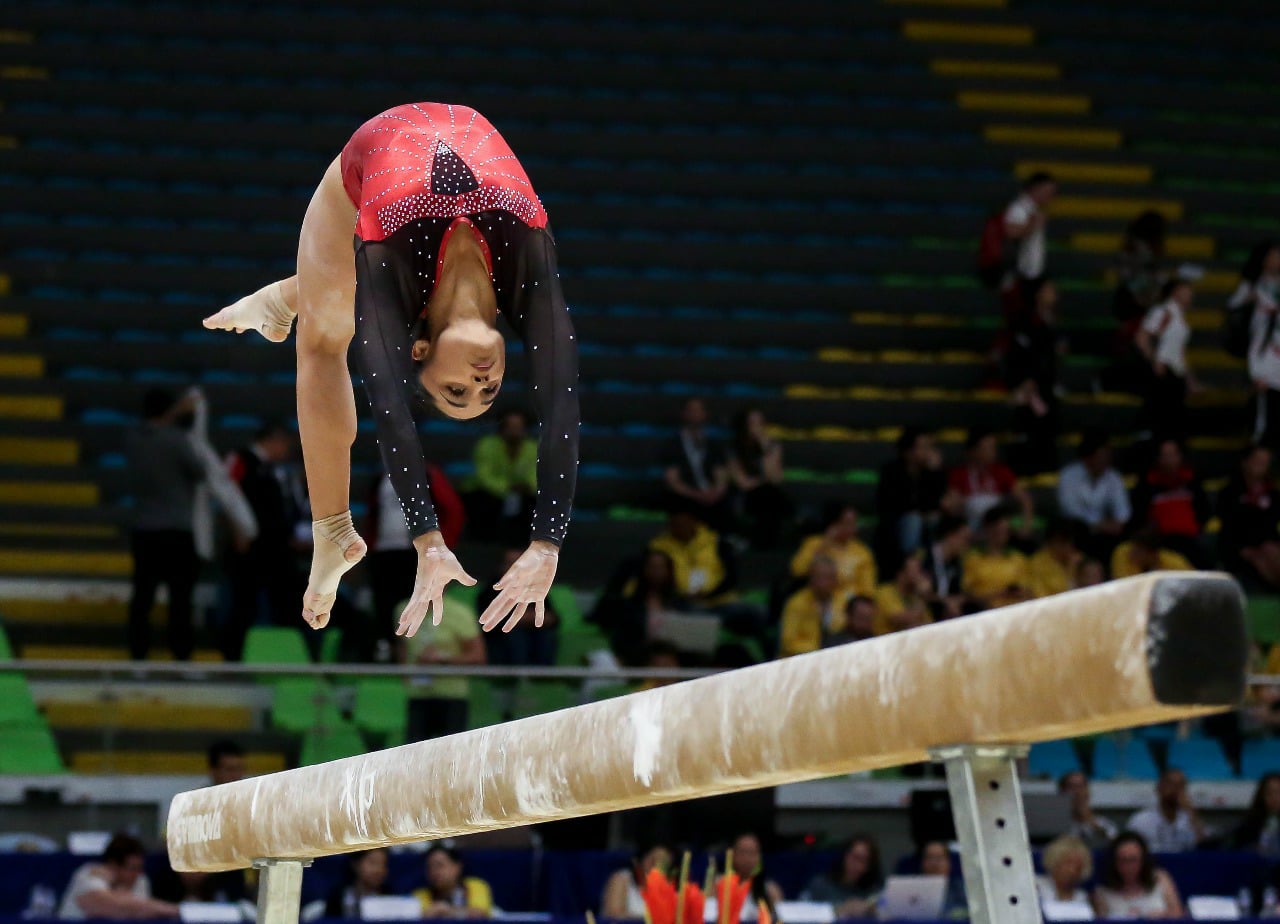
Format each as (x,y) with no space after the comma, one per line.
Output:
(1259,756)
(1200,759)
(1123,759)
(1051,759)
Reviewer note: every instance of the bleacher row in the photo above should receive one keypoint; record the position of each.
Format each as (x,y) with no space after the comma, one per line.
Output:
(763,206)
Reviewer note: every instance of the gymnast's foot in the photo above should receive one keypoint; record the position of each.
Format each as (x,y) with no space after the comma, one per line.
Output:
(264,311)
(337,548)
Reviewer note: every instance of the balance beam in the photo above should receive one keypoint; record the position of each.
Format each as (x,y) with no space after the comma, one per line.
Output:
(1148,649)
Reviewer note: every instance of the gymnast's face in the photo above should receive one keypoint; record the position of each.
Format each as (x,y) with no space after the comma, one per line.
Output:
(462,368)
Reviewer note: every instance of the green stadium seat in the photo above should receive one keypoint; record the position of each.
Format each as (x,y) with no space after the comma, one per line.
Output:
(6,649)
(275,645)
(572,648)
(612,691)
(300,704)
(382,706)
(541,696)
(1263,613)
(29,749)
(16,704)
(565,601)
(331,646)
(483,705)
(322,745)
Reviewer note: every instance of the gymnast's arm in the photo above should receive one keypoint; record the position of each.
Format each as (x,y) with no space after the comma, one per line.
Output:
(539,314)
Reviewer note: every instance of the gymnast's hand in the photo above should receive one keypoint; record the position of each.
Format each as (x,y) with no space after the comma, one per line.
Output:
(526,582)
(437,566)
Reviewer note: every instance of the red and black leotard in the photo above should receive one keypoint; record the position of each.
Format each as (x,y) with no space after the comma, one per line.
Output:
(415,174)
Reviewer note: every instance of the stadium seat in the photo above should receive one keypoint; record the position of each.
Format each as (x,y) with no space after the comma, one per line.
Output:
(302,703)
(1051,759)
(275,645)
(1200,759)
(1259,756)
(1263,612)
(16,704)
(331,646)
(29,749)
(335,742)
(537,697)
(382,706)
(484,703)
(6,649)
(1122,758)
(612,691)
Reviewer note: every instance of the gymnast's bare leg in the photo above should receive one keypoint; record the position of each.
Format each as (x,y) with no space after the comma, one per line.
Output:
(323,296)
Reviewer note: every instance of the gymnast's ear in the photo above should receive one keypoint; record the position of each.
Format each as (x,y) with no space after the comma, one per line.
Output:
(420,349)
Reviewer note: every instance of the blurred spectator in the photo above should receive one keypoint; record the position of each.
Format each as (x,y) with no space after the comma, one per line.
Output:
(695,471)
(1024,221)
(755,470)
(944,564)
(366,876)
(904,603)
(1260,828)
(1254,308)
(1093,830)
(838,541)
(226,763)
(115,887)
(1162,340)
(500,501)
(172,886)
(1130,885)
(1172,825)
(1091,491)
(1068,865)
(1170,499)
(1249,510)
(909,495)
(853,883)
(438,705)
(1052,569)
(660,656)
(860,618)
(392,559)
(935,860)
(622,898)
(450,894)
(1143,553)
(526,643)
(748,863)
(983,481)
(813,614)
(1140,271)
(1031,374)
(994,574)
(705,565)
(638,596)
(266,585)
(217,486)
(164,471)
(1089,573)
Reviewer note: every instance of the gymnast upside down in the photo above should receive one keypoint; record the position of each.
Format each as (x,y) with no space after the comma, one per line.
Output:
(448,234)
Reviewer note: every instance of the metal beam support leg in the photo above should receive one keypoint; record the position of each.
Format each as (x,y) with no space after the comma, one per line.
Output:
(279,890)
(987,804)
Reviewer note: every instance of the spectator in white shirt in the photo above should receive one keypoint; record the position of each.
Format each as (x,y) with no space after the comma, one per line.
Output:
(1024,222)
(1172,826)
(114,887)
(1259,294)
(1092,491)
(1094,830)
(1162,340)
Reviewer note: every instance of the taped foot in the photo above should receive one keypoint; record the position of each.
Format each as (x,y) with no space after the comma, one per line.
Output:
(265,311)
(337,547)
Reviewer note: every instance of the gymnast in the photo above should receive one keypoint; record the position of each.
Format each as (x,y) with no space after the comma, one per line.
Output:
(448,235)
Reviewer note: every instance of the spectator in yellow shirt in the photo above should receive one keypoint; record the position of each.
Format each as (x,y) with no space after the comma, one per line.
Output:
(702,561)
(1052,569)
(855,565)
(499,501)
(904,603)
(814,612)
(859,622)
(1144,552)
(449,894)
(994,574)
(1089,573)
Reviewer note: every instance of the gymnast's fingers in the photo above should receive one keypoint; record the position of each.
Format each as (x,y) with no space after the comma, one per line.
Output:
(412,615)
(539,613)
(437,609)
(497,610)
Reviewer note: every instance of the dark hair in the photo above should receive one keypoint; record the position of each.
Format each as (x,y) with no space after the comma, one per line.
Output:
(514,412)
(924,847)
(995,515)
(1150,227)
(271,428)
(1037,178)
(948,526)
(874,876)
(1147,538)
(746,448)
(658,647)
(1252,269)
(668,589)
(1093,439)
(855,599)
(637,858)
(1110,876)
(1255,817)
(1065,529)
(156,402)
(908,437)
(759,881)
(832,511)
(121,847)
(1173,285)
(1062,780)
(976,436)
(449,852)
(221,749)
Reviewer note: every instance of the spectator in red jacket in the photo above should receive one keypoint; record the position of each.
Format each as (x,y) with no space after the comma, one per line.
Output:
(983,481)
(392,558)
(1170,499)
